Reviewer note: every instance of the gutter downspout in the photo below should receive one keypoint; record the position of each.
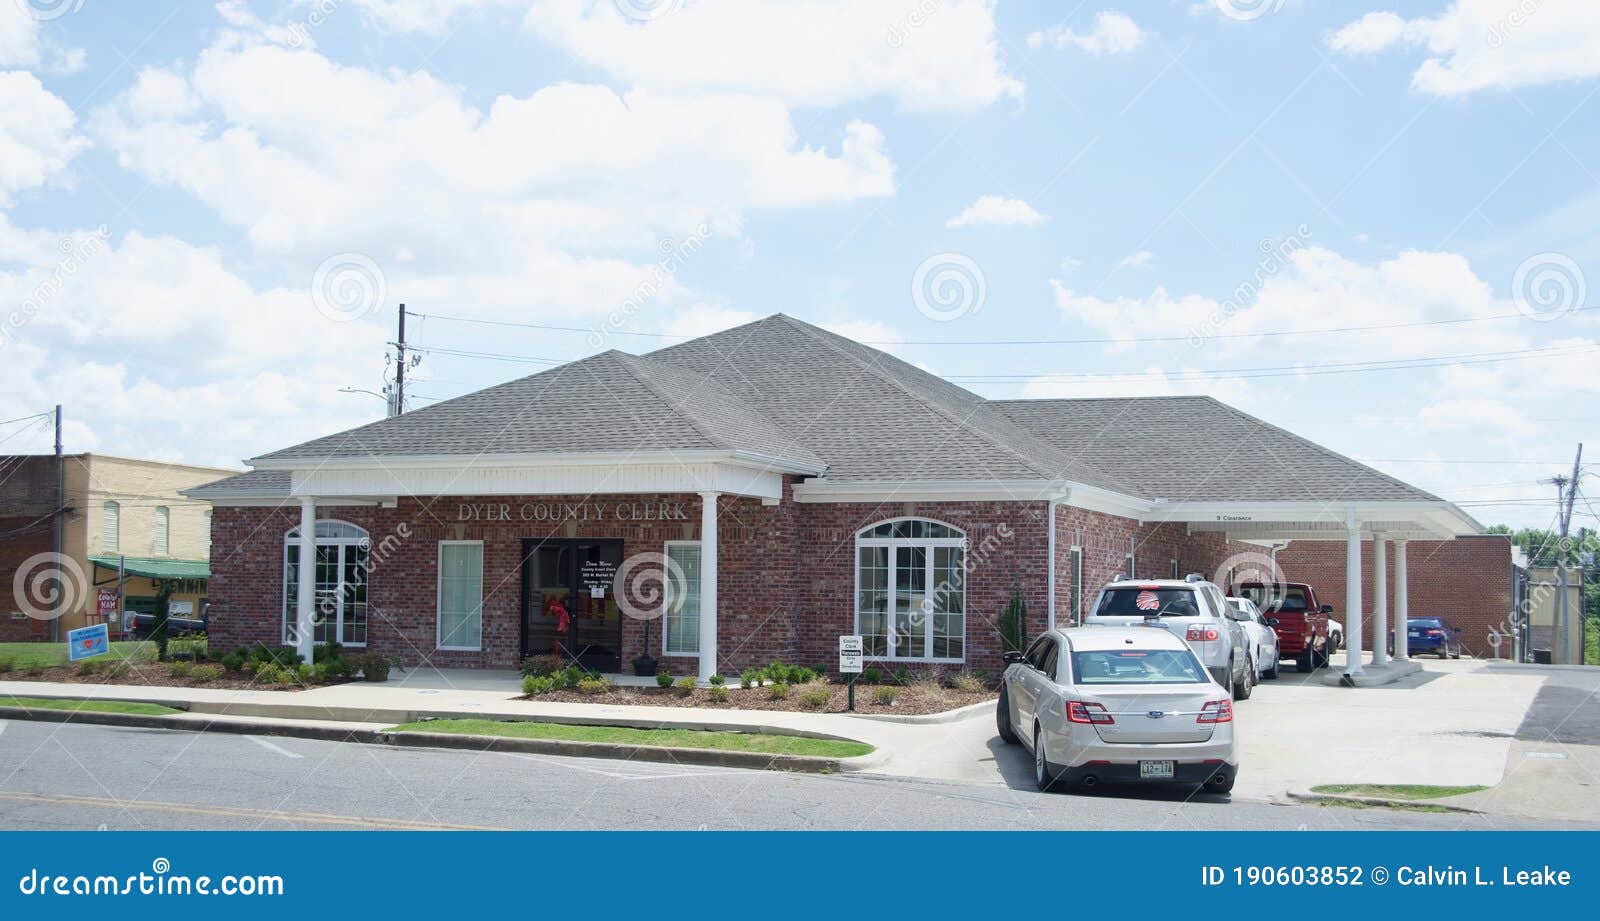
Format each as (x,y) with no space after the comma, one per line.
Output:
(1050,570)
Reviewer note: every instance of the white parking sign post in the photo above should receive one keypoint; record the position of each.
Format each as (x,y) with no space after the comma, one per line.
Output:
(850,663)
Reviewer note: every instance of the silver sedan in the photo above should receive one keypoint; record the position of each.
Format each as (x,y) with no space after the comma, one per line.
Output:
(1118,705)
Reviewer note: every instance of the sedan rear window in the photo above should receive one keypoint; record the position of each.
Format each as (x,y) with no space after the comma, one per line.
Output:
(1149,602)
(1137,666)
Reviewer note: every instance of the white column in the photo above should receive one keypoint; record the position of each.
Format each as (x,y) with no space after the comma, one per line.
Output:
(305,634)
(1380,600)
(708,585)
(1352,596)
(1402,643)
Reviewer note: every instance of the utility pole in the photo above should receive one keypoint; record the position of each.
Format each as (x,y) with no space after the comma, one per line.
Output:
(55,528)
(398,404)
(1566,491)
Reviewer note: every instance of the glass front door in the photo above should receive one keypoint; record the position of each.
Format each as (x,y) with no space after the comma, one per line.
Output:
(565,615)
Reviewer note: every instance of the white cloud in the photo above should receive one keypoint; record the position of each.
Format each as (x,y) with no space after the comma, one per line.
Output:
(177,351)
(1070,265)
(1137,260)
(423,17)
(1487,44)
(559,181)
(931,56)
(37,136)
(1478,416)
(1113,33)
(997,211)
(702,319)
(22,45)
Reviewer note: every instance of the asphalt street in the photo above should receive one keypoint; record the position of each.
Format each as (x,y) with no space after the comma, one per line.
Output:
(73,776)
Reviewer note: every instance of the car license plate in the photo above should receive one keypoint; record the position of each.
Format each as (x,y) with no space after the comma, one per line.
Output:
(1155,770)
(1413,633)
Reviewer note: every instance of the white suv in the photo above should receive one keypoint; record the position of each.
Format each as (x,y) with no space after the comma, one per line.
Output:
(1191,608)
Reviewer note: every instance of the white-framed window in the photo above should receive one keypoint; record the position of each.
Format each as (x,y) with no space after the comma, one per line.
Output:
(911,592)
(111,526)
(460,601)
(680,603)
(163,531)
(339,611)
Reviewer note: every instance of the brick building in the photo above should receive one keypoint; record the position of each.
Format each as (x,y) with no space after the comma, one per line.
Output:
(1469,581)
(752,495)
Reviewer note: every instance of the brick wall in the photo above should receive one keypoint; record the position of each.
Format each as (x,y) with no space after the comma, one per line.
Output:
(28,536)
(1467,581)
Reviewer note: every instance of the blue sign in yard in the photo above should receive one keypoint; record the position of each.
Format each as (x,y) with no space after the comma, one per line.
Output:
(88,642)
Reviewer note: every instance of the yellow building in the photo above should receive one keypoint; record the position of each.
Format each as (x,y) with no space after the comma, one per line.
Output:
(118,515)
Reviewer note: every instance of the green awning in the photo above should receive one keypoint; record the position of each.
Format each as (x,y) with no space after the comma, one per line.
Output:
(156,568)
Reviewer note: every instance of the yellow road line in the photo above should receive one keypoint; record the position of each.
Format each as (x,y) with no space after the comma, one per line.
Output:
(318,818)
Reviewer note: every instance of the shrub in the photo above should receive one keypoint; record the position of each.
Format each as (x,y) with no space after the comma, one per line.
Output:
(569,677)
(749,678)
(663,680)
(534,685)
(336,667)
(884,695)
(902,677)
(820,670)
(816,698)
(1014,623)
(929,681)
(322,652)
(801,675)
(374,667)
(720,694)
(179,669)
(33,669)
(595,685)
(88,666)
(778,691)
(684,686)
(718,681)
(306,673)
(283,675)
(871,675)
(7,664)
(967,683)
(205,674)
(539,666)
(234,661)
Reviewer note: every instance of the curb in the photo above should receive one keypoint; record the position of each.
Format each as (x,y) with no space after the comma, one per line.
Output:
(948,716)
(1306,796)
(712,757)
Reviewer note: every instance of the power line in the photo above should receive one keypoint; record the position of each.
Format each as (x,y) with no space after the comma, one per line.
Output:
(1101,340)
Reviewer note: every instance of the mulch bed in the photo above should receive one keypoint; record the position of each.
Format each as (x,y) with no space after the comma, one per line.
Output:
(915,700)
(146,672)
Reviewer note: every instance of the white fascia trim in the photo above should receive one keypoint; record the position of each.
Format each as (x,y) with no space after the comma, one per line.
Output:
(1440,519)
(927,491)
(1105,501)
(256,500)
(570,459)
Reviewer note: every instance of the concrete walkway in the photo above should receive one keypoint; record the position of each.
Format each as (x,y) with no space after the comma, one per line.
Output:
(1451,723)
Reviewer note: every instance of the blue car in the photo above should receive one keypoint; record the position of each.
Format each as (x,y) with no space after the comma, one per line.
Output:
(1432,635)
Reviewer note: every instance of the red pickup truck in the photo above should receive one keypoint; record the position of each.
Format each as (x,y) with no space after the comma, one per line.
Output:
(1301,623)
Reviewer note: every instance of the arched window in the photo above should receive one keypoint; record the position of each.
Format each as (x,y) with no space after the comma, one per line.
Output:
(111,527)
(339,611)
(158,542)
(911,594)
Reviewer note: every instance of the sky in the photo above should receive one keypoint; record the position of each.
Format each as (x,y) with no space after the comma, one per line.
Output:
(1371,223)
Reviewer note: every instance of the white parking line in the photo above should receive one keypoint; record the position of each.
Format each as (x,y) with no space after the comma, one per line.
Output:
(2,726)
(273,748)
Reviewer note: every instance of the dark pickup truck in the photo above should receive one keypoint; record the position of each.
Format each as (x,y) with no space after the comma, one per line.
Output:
(1302,622)
(145,624)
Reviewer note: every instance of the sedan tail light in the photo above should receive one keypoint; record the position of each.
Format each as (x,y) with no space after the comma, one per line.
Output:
(1216,711)
(1436,633)
(1198,634)
(1081,712)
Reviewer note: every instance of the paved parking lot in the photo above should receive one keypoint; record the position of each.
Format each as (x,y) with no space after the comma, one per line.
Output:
(1453,723)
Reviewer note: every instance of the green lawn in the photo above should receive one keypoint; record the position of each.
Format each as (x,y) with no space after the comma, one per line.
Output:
(98,706)
(666,738)
(1403,791)
(21,655)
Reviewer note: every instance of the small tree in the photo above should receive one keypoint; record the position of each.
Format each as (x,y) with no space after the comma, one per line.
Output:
(158,630)
(1014,622)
